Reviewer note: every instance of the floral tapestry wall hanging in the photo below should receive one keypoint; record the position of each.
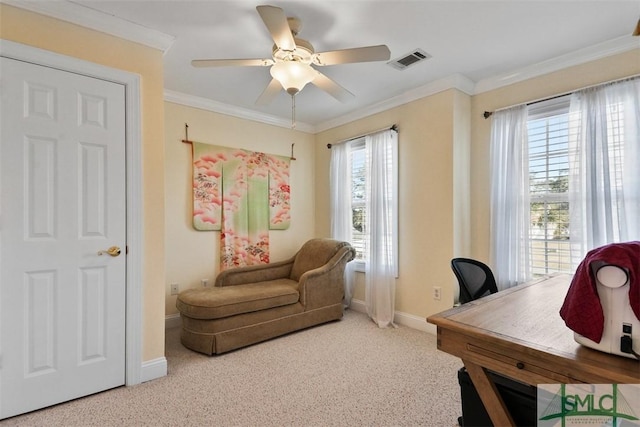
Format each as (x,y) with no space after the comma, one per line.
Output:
(243,194)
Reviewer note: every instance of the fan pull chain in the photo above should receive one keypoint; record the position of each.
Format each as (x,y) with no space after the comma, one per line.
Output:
(293,111)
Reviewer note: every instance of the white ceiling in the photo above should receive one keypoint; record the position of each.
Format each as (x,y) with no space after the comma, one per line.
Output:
(477,44)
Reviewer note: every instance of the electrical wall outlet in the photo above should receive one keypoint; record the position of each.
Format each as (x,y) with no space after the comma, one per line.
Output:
(437,293)
(175,289)
(204,282)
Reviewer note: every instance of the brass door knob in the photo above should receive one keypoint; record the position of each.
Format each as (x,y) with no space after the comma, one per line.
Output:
(113,251)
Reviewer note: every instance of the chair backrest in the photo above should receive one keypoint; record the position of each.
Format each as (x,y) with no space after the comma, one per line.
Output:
(475,278)
(315,253)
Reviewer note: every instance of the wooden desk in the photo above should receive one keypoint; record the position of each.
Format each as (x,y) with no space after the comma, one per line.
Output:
(519,333)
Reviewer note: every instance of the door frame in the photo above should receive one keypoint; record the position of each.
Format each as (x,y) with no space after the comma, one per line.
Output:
(133,152)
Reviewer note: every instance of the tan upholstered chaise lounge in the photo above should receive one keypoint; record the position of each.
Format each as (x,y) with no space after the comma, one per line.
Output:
(252,304)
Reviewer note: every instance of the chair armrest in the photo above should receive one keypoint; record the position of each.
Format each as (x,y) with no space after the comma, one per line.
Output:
(255,273)
(324,285)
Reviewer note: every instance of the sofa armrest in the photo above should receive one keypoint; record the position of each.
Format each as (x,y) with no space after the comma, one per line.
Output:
(255,273)
(324,285)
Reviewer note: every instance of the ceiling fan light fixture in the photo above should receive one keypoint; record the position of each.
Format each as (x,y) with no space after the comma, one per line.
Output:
(292,75)
(293,57)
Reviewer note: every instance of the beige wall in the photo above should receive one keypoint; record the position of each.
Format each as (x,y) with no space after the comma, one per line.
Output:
(563,81)
(428,129)
(444,175)
(194,255)
(443,159)
(53,35)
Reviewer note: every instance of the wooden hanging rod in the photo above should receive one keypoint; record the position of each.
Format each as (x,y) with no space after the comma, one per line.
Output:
(187,141)
(186,135)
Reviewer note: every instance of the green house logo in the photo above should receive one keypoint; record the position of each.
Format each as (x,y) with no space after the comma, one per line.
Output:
(588,404)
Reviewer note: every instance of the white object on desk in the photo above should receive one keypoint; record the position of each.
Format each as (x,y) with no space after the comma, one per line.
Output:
(612,284)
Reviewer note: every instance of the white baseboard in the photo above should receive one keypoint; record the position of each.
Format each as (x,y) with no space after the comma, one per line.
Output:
(153,369)
(405,319)
(157,368)
(358,305)
(172,321)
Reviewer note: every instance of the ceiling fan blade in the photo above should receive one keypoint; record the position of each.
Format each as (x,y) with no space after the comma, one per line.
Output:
(332,88)
(277,24)
(357,54)
(232,62)
(270,92)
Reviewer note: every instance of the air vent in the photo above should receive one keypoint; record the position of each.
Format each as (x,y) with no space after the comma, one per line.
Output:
(409,59)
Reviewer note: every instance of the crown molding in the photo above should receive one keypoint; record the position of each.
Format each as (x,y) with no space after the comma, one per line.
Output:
(78,14)
(231,110)
(90,18)
(454,81)
(581,56)
(468,86)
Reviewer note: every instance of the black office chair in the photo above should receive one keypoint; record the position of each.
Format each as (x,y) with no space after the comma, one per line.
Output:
(475,278)
(476,281)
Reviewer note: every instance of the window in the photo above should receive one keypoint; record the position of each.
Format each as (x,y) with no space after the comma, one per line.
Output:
(564,180)
(548,135)
(370,187)
(549,132)
(358,197)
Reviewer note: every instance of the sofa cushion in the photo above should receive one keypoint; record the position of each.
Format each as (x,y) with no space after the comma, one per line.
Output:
(219,302)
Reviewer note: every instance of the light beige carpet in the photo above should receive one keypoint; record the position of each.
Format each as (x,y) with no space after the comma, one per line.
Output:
(345,373)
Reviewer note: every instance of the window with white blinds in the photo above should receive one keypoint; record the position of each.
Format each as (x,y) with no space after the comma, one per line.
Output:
(548,134)
(358,197)
(549,128)
(359,165)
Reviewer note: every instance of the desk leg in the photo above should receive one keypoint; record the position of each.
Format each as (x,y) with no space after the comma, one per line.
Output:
(489,394)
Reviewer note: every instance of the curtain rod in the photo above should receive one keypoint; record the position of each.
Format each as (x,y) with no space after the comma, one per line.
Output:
(393,127)
(488,114)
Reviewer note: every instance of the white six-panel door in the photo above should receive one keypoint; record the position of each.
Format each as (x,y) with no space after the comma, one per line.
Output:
(62,202)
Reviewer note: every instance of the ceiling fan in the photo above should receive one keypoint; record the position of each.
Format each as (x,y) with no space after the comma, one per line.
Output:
(292,59)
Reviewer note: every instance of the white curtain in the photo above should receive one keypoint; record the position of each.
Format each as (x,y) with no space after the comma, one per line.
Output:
(340,187)
(510,197)
(380,271)
(604,182)
(604,176)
